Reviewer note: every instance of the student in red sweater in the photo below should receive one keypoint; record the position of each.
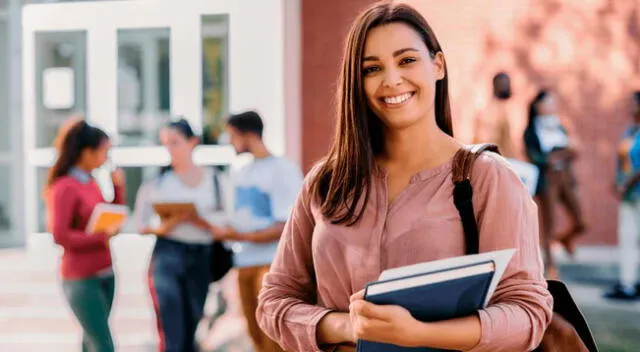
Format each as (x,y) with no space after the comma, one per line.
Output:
(87,275)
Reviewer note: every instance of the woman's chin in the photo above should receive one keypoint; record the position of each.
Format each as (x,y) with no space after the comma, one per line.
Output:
(402,121)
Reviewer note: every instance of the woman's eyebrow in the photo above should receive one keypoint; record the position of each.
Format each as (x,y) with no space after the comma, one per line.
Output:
(395,53)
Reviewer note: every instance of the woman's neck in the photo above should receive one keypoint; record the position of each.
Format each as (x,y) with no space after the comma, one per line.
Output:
(83,168)
(184,167)
(419,146)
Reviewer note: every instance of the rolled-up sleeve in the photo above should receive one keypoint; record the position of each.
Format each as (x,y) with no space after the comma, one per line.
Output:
(286,305)
(521,307)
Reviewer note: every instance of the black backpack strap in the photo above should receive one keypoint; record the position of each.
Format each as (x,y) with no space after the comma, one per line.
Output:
(219,206)
(564,304)
(463,192)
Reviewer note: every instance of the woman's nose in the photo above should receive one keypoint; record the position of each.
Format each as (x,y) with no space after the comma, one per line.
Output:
(392,77)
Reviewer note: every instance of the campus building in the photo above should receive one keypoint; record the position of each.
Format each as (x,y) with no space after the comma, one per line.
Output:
(129,66)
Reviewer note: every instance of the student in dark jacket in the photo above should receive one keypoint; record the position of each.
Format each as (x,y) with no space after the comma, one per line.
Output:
(548,147)
(71,195)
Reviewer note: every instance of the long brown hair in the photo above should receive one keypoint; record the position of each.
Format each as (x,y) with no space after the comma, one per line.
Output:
(73,140)
(345,175)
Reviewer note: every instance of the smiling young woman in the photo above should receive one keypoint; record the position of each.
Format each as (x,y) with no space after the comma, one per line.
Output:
(383,198)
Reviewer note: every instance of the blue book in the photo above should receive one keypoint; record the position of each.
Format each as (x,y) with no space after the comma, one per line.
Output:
(436,291)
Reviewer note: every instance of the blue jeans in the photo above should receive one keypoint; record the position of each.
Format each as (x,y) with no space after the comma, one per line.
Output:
(179,283)
(90,300)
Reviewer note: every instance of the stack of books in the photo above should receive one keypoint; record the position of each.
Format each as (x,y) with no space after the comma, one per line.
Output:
(438,290)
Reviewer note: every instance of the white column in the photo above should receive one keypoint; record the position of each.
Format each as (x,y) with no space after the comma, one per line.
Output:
(102,83)
(15,116)
(186,69)
(259,86)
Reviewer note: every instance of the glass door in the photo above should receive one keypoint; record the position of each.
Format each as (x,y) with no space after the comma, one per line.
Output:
(8,231)
(130,66)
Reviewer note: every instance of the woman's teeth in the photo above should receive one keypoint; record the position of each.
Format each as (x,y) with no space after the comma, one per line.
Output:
(399,99)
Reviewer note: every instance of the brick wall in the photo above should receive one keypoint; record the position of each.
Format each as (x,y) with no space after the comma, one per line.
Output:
(325,24)
(586,50)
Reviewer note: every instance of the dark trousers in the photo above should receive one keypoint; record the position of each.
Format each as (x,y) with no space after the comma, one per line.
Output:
(90,300)
(179,281)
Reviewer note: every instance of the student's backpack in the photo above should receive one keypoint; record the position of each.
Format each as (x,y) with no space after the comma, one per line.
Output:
(568,330)
(221,256)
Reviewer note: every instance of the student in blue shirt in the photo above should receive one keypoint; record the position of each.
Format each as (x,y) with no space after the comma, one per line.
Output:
(265,191)
(628,189)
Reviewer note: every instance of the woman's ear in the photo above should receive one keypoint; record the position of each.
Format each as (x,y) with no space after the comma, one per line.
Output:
(439,65)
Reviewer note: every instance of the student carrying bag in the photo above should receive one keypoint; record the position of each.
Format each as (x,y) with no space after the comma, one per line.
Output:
(568,330)
(221,256)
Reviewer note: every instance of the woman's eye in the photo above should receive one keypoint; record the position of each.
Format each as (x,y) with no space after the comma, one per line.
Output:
(407,60)
(370,69)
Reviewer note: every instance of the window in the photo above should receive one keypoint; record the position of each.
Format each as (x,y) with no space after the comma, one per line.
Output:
(5,119)
(215,76)
(144,85)
(60,81)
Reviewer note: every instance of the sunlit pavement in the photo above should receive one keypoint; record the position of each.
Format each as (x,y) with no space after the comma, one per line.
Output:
(615,324)
(34,316)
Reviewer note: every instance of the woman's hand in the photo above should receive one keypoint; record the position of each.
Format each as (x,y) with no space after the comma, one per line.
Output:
(225,233)
(169,224)
(117,177)
(389,323)
(113,230)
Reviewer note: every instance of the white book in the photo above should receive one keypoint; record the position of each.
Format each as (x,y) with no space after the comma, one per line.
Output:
(499,258)
(384,287)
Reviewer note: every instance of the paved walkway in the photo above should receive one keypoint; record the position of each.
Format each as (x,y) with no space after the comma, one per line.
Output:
(34,316)
(616,325)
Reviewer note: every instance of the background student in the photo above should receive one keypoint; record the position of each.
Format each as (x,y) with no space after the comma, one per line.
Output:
(179,271)
(71,195)
(265,191)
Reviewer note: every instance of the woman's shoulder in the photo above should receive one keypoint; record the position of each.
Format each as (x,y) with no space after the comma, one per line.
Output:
(65,182)
(492,170)
(63,186)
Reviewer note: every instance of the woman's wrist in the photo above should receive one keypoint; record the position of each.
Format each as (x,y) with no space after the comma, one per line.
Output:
(459,334)
(335,328)
(420,335)
(104,236)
